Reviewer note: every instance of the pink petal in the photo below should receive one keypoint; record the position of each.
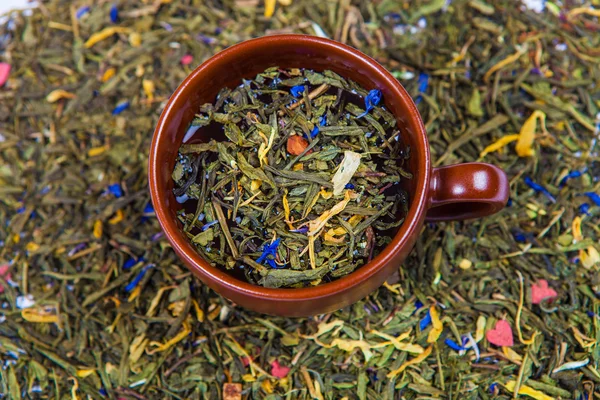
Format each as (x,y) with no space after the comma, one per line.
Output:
(4,269)
(279,371)
(187,59)
(4,72)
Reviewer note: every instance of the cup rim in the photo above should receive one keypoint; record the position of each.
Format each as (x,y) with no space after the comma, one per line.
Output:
(219,278)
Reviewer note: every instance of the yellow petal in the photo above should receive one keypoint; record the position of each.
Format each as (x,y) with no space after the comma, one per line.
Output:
(481,321)
(325,194)
(119,216)
(315,226)
(269,8)
(96,151)
(584,10)
(590,257)
(349,345)
(137,347)
(498,144)
(32,247)
(159,347)
(503,63)
(527,391)
(511,354)
(416,360)
(298,167)
(325,327)
(286,209)
(527,134)
(396,342)
(285,3)
(148,86)
(577,236)
(84,373)
(267,386)
(255,184)
(438,327)
(199,312)
(135,39)
(263,150)
(248,378)
(354,220)
(44,315)
(109,73)
(98,229)
(104,34)
(134,294)
(58,94)
(465,264)
(329,236)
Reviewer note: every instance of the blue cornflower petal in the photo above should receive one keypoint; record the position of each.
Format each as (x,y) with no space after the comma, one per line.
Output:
(182,199)
(149,209)
(21,210)
(116,190)
(493,387)
(131,262)
(136,281)
(425,322)
(304,229)
(81,11)
(120,108)
(103,392)
(453,345)
(539,188)
(595,197)
(269,250)
(520,237)
(209,224)
(570,175)
(423,82)
(315,131)
(349,186)
(297,90)
(371,100)
(418,304)
(584,209)
(114,14)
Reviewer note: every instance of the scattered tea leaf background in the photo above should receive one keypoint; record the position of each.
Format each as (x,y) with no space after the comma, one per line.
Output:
(95,303)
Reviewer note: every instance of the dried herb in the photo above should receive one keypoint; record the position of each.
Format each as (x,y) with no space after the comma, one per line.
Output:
(273,200)
(71,242)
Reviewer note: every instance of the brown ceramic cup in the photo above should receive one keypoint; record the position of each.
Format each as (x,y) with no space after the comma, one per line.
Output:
(454,192)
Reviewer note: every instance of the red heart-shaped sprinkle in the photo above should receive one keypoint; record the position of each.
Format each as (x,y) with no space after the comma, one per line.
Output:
(4,72)
(501,335)
(4,274)
(279,371)
(540,292)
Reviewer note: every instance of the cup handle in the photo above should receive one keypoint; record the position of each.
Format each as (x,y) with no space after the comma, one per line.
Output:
(465,191)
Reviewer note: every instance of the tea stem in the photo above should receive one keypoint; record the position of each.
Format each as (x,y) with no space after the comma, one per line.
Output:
(315,93)
(225,228)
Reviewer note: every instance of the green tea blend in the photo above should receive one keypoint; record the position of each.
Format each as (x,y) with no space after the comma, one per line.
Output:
(305,186)
(94,304)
